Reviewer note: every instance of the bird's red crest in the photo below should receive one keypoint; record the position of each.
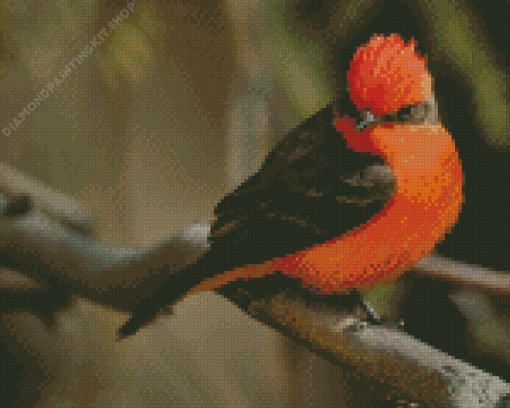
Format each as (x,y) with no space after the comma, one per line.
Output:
(386,74)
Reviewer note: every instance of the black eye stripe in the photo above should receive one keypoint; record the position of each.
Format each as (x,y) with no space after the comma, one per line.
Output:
(406,111)
(408,114)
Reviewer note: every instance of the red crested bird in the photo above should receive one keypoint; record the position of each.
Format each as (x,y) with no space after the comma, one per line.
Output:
(308,213)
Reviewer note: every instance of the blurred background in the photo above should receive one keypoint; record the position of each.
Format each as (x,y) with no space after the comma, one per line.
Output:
(173,109)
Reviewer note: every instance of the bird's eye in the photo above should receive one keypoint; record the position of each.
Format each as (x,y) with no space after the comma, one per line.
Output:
(405,113)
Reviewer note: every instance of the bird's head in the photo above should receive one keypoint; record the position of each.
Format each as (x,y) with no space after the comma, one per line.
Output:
(386,75)
(390,85)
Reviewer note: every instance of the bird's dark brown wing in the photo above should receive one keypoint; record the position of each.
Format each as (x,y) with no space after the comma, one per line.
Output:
(311,188)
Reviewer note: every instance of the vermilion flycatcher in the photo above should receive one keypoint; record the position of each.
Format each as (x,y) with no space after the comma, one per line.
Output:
(305,214)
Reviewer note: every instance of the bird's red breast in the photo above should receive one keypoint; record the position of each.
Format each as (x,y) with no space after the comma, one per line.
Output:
(426,205)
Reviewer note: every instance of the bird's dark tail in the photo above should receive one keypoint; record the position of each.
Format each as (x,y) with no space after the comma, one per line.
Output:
(177,286)
(170,292)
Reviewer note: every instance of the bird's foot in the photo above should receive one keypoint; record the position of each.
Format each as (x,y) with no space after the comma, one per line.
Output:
(370,316)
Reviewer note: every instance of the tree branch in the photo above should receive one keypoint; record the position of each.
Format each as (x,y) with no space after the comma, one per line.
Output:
(45,248)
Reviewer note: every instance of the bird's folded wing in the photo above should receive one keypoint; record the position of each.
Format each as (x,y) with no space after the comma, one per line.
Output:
(310,189)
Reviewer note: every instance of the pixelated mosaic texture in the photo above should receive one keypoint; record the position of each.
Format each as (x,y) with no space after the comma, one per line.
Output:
(177,106)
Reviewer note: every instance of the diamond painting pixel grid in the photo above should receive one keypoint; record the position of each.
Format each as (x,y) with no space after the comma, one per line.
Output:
(147,118)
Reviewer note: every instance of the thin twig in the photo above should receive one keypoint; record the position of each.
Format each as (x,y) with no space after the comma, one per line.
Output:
(465,274)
